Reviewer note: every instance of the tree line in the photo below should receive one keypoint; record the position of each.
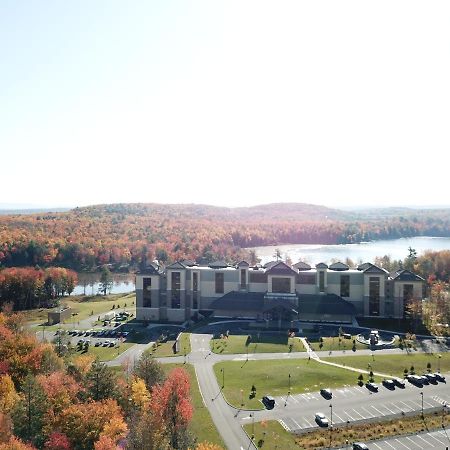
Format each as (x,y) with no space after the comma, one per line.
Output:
(127,236)
(28,287)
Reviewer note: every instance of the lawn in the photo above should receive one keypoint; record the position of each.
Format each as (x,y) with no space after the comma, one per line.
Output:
(272,378)
(86,306)
(395,364)
(333,344)
(265,344)
(166,348)
(270,435)
(201,425)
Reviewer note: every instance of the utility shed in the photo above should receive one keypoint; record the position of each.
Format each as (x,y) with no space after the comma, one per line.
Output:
(59,315)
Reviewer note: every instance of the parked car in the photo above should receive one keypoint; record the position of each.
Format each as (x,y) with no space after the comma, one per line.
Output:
(415,379)
(326,393)
(105,344)
(431,378)
(424,379)
(399,383)
(97,344)
(372,387)
(360,446)
(112,344)
(268,401)
(439,376)
(321,420)
(389,384)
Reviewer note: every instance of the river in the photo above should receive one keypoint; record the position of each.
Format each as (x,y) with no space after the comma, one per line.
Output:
(364,251)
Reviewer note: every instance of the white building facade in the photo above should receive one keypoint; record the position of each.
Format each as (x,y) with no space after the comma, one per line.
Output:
(322,293)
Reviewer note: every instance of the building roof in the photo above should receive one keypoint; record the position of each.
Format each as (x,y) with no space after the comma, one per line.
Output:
(188,263)
(176,265)
(338,266)
(218,265)
(280,268)
(324,304)
(302,266)
(150,269)
(364,266)
(321,265)
(405,275)
(375,269)
(240,301)
(243,264)
(269,264)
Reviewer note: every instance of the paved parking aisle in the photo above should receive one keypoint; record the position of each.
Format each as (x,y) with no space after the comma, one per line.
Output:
(436,439)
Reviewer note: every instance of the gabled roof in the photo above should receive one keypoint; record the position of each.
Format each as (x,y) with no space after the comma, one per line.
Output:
(338,266)
(239,301)
(364,266)
(302,266)
(405,275)
(375,269)
(188,263)
(151,269)
(218,265)
(281,268)
(243,264)
(270,264)
(176,265)
(321,266)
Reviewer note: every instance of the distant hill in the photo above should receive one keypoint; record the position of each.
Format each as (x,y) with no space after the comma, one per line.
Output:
(129,235)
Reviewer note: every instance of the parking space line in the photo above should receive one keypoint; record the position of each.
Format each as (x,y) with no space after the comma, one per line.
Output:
(339,418)
(407,406)
(420,437)
(296,423)
(436,439)
(368,412)
(359,389)
(389,409)
(401,443)
(395,406)
(376,445)
(306,398)
(428,404)
(386,442)
(307,422)
(409,439)
(351,418)
(293,399)
(360,415)
(377,410)
(283,424)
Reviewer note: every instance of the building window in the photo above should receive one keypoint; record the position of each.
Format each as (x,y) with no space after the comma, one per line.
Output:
(147,293)
(219,283)
(281,285)
(321,281)
(195,290)
(243,279)
(176,286)
(374,296)
(345,285)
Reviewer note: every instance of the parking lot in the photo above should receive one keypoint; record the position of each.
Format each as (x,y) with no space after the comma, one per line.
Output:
(436,439)
(98,337)
(296,413)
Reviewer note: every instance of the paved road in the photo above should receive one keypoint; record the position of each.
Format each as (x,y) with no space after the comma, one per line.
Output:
(439,439)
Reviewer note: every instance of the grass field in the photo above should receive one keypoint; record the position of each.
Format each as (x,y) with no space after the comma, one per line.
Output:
(86,306)
(270,435)
(201,425)
(166,348)
(395,364)
(272,378)
(266,344)
(333,344)
(108,353)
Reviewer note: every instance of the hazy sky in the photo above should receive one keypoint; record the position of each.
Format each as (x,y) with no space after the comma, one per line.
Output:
(226,103)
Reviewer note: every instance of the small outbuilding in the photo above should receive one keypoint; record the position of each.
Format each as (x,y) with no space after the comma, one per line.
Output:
(59,315)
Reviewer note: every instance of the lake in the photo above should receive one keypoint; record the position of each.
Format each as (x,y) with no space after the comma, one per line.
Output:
(364,251)
(89,283)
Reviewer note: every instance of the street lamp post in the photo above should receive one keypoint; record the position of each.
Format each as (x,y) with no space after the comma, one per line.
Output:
(439,363)
(422,403)
(331,423)
(223,377)
(289,383)
(242,397)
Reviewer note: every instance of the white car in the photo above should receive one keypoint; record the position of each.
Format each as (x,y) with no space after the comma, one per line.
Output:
(321,420)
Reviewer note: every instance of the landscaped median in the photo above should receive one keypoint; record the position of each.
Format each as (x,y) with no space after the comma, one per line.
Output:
(165,349)
(276,378)
(336,344)
(256,343)
(272,435)
(395,365)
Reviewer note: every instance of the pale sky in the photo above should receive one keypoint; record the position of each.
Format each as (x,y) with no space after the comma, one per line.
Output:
(231,103)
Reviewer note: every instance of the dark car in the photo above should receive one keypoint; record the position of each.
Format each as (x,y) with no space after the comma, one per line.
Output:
(389,384)
(399,383)
(439,376)
(360,446)
(268,401)
(326,393)
(372,387)
(415,380)
(431,378)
